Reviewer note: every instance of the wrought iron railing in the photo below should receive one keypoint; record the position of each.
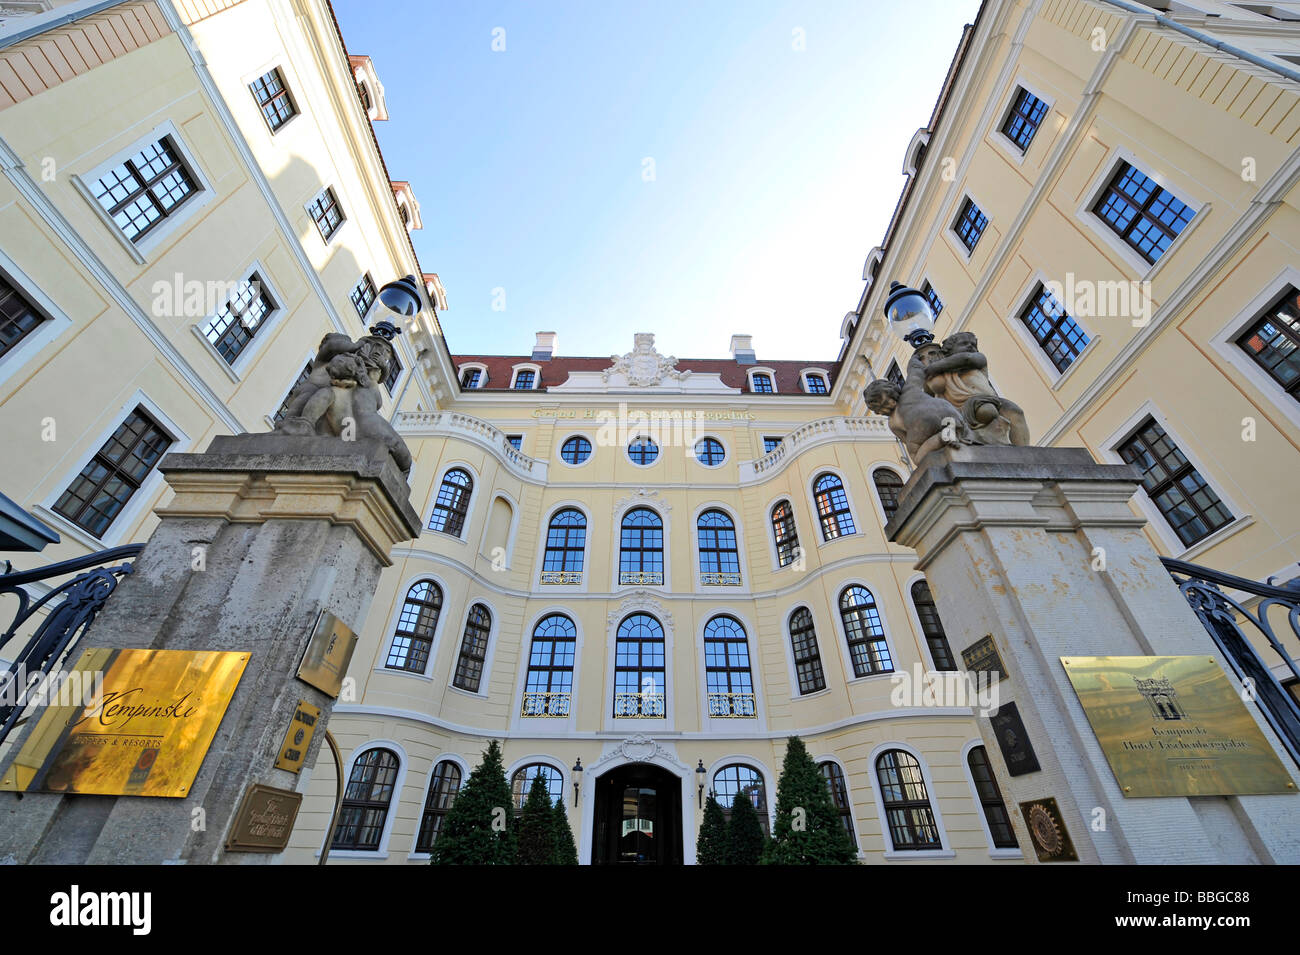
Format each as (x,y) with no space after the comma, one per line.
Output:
(1223,616)
(545,704)
(719,580)
(561,576)
(653,577)
(732,706)
(68,609)
(640,706)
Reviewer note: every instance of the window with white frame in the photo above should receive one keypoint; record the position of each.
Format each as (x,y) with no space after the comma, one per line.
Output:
(235,323)
(1144,214)
(327,213)
(19,317)
(1272,341)
(144,189)
(1186,501)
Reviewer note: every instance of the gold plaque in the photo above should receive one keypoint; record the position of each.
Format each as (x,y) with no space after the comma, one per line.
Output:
(294,748)
(1175,726)
(328,654)
(145,734)
(264,821)
(1048,832)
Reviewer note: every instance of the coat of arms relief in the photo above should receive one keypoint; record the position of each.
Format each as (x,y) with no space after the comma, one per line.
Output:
(644,366)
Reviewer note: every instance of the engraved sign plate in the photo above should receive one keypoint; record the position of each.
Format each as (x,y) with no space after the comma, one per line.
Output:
(1047,830)
(1014,741)
(1175,726)
(264,821)
(982,656)
(328,654)
(145,733)
(298,737)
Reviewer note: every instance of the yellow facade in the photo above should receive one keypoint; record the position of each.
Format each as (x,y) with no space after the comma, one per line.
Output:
(1217,131)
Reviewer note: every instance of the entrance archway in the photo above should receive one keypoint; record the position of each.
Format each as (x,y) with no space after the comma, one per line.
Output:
(638,817)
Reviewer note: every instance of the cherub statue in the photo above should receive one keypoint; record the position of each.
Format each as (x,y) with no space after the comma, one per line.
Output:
(960,375)
(340,395)
(921,421)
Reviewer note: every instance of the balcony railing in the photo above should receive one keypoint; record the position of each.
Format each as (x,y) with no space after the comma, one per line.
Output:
(720,580)
(733,706)
(871,428)
(546,704)
(561,576)
(639,706)
(654,577)
(457,424)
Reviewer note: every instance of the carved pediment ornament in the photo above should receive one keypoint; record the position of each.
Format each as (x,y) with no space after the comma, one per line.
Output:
(643,495)
(641,601)
(641,749)
(644,366)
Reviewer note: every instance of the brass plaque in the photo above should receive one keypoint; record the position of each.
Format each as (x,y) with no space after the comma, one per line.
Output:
(1047,831)
(328,654)
(1175,726)
(145,735)
(294,748)
(982,657)
(264,821)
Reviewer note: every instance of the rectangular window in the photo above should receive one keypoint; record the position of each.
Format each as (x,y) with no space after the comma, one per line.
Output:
(970,224)
(931,296)
(1055,331)
(524,380)
(117,470)
(394,372)
(895,374)
(1190,505)
(516,441)
(273,99)
(327,213)
(284,405)
(363,295)
(1273,341)
(235,324)
(1141,212)
(18,317)
(762,383)
(1026,114)
(144,189)
(770,443)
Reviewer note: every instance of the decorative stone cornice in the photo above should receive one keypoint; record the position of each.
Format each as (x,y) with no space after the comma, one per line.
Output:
(641,601)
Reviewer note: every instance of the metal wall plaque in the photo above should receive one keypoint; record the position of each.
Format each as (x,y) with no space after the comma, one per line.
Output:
(1175,726)
(298,737)
(145,734)
(264,821)
(982,656)
(1048,832)
(328,654)
(1012,739)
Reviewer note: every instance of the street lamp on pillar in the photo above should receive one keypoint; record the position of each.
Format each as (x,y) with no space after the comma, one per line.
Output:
(700,774)
(577,779)
(910,316)
(402,296)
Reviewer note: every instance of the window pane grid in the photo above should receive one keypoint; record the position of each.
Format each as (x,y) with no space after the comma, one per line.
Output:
(807,659)
(1274,342)
(473,649)
(888,485)
(471,378)
(762,383)
(995,810)
(1055,331)
(452,503)
(273,99)
(566,541)
(1190,506)
(816,384)
(931,296)
(1024,119)
(98,494)
(18,317)
(363,295)
(413,637)
(235,324)
(932,627)
(640,679)
(550,667)
(785,533)
(833,508)
(731,781)
(717,541)
(642,451)
(865,633)
(328,214)
(443,787)
(1144,214)
(522,781)
(907,804)
(709,452)
(143,190)
(641,543)
(524,380)
(575,450)
(970,225)
(365,801)
(840,796)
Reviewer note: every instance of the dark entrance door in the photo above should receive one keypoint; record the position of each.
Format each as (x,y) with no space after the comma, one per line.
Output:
(638,817)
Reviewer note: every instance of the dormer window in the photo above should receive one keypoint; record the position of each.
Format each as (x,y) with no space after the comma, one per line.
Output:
(363,93)
(472,376)
(814,383)
(525,379)
(762,382)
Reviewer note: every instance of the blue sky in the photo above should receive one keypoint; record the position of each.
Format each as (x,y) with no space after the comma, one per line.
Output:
(775,169)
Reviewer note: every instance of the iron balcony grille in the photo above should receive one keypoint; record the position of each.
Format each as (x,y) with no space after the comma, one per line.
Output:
(546,704)
(561,576)
(642,706)
(720,580)
(733,706)
(641,577)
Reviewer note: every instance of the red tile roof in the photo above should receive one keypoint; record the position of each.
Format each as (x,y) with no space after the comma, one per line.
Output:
(555,371)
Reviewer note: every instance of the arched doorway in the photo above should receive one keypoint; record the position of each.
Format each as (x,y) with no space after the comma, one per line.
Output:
(638,817)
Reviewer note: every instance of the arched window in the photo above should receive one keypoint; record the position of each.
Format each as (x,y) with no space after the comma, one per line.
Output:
(907,804)
(443,787)
(473,649)
(641,548)
(840,796)
(865,634)
(642,450)
(815,383)
(783,529)
(522,781)
(471,377)
(452,503)
(762,383)
(932,627)
(888,484)
(833,507)
(524,379)
(640,677)
(807,661)
(566,542)
(710,452)
(365,800)
(730,781)
(719,558)
(550,667)
(413,638)
(726,665)
(575,450)
(995,810)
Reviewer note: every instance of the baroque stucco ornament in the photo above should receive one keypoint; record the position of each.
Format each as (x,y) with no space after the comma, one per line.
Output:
(644,366)
(641,749)
(640,601)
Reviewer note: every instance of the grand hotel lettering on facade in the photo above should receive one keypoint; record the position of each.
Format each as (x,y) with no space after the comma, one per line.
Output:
(664,614)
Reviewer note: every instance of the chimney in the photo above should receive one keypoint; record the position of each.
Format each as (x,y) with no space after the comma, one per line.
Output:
(545,347)
(742,349)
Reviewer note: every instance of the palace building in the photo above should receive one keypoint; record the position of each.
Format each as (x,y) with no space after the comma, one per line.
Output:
(642,573)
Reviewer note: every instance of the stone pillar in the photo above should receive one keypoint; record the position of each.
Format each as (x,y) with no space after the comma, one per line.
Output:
(1008,539)
(291,526)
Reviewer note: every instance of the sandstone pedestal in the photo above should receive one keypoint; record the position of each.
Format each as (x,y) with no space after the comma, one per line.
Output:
(287,527)
(1012,541)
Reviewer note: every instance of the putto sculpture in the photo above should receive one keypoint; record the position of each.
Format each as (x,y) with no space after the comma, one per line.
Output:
(340,395)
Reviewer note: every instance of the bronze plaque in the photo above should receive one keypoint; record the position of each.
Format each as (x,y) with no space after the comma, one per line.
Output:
(1014,741)
(144,734)
(328,654)
(1047,831)
(982,657)
(1175,726)
(301,728)
(264,821)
